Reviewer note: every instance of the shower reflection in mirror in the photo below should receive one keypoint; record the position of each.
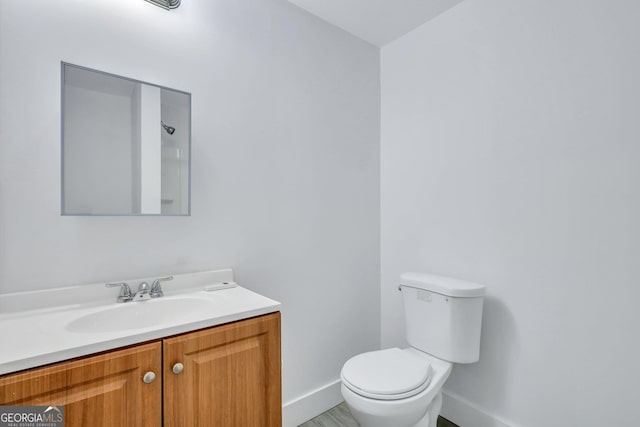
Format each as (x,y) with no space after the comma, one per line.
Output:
(126,145)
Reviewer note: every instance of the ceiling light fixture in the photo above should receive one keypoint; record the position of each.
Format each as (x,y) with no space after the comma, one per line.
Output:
(166,4)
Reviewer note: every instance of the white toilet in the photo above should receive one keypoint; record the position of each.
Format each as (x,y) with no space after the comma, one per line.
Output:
(403,387)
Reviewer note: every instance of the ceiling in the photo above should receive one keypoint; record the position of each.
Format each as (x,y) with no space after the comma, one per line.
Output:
(376,21)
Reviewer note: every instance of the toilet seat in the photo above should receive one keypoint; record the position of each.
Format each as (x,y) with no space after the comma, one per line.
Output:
(389,374)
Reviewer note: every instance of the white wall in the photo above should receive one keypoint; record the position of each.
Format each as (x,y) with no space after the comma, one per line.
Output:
(285,113)
(510,156)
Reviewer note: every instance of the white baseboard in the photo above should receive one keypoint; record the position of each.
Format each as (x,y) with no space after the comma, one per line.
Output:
(455,408)
(312,404)
(460,411)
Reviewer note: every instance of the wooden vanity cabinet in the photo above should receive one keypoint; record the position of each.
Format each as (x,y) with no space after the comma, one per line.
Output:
(224,376)
(104,390)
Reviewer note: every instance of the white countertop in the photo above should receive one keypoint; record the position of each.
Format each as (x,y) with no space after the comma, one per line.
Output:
(34,326)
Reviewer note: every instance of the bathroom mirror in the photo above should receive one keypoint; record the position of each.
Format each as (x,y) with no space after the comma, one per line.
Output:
(126,145)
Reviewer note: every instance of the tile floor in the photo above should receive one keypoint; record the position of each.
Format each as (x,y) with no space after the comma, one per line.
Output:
(341,417)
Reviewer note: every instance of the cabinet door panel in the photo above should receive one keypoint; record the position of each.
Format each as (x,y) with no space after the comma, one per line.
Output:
(231,376)
(105,390)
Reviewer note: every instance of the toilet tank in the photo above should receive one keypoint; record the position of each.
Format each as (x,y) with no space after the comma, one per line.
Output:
(443,316)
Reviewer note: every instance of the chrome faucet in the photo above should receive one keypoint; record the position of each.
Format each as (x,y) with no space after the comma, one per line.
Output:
(156,289)
(144,291)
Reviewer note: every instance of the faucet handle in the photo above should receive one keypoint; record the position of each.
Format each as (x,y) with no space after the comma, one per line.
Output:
(125,291)
(156,289)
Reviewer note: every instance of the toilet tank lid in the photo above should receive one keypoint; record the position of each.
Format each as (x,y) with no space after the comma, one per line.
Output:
(442,285)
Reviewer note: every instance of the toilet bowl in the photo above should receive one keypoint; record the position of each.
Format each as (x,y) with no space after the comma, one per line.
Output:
(404,389)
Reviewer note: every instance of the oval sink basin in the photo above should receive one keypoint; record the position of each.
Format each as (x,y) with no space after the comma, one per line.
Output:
(140,315)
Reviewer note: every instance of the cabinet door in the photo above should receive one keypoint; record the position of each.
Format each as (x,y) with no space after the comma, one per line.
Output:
(104,390)
(230,376)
